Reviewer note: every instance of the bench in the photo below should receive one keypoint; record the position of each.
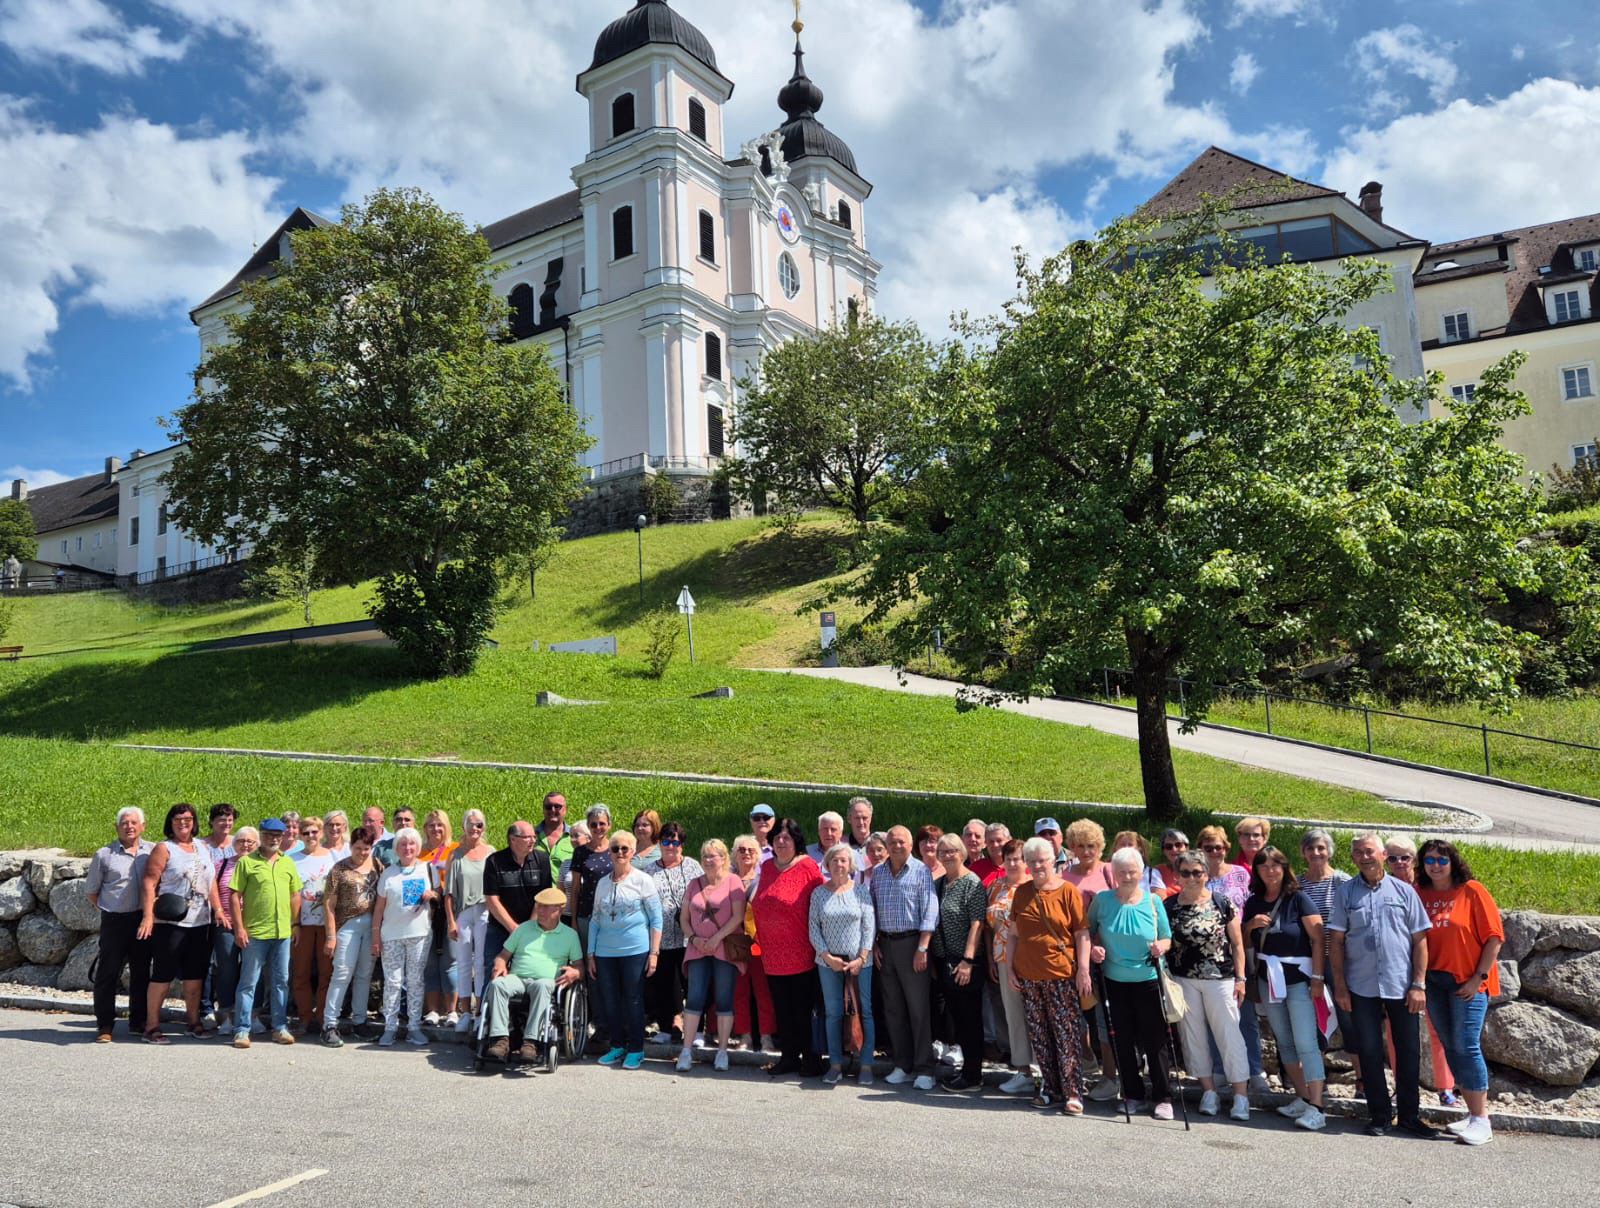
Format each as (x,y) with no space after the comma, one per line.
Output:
(11,653)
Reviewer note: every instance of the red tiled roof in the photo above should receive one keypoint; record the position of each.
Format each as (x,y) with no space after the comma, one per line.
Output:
(1222,175)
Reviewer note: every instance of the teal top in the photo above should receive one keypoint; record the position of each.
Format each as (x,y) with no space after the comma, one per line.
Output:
(1126,933)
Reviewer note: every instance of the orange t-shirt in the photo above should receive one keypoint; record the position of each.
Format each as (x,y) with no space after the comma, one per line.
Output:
(1047,925)
(1464,919)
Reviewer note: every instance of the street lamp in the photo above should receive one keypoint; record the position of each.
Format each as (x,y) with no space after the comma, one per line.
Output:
(638,529)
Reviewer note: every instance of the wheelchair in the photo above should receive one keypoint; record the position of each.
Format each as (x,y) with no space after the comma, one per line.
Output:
(565,1037)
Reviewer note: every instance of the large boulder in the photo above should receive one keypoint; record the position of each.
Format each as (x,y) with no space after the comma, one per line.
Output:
(16,899)
(41,874)
(1567,980)
(10,954)
(1522,932)
(69,902)
(43,940)
(37,977)
(1553,1046)
(75,973)
(1510,984)
(11,864)
(1581,934)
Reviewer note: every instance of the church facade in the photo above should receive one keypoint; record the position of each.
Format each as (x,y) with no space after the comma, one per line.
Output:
(681,256)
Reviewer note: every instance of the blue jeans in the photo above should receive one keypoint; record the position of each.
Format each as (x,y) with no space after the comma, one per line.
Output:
(272,957)
(1294,1023)
(833,1012)
(352,971)
(1459,1025)
(224,968)
(439,974)
(621,980)
(1250,1029)
(711,983)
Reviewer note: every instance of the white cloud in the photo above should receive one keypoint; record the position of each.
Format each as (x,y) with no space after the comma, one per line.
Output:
(34,478)
(1248,10)
(85,32)
(129,215)
(1472,168)
(1403,50)
(1243,73)
(1518,53)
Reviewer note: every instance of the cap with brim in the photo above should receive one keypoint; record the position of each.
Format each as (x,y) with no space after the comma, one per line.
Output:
(762,811)
(549,897)
(1046,824)
(273,826)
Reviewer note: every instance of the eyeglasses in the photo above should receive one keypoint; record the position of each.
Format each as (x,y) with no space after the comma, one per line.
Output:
(671,843)
(1193,874)
(1436,861)
(520,835)
(1173,846)
(1398,859)
(1213,850)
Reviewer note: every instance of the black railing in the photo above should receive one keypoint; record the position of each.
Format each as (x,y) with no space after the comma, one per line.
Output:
(38,585)
(162,573)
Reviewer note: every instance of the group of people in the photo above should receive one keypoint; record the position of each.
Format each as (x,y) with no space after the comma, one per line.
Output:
(931,948)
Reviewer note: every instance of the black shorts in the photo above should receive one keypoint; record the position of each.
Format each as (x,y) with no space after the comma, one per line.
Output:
(182,953)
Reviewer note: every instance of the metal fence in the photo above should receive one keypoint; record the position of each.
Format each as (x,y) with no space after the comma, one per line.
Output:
(173,572)
(1112,680)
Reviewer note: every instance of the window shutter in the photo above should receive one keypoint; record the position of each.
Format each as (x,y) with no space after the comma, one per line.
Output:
(714,431)
(697,119)
(708,237)
(713,355)
(622,233)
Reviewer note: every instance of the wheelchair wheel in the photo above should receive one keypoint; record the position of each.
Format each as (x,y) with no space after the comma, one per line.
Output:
(574,1023)
(552,1054)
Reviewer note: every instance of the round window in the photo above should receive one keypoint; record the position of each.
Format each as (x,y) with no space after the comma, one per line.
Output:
(788,275)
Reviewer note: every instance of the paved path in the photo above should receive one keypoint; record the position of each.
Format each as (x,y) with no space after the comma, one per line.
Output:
(197,1125)
(1521,819)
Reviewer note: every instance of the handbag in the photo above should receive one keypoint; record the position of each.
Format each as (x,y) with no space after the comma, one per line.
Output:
(854,1038)
(172,907)
(736,946)
(1174,1006)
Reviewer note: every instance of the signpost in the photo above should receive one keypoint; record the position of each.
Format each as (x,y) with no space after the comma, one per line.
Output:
(686,607)
(830,635)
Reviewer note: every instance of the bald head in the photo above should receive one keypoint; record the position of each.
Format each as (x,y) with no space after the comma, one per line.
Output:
(898,841)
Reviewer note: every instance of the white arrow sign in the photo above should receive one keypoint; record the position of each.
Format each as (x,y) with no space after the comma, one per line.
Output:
(686,603)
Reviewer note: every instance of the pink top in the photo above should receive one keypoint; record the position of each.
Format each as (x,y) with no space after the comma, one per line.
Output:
(783,916)
(711,908)
(1091,883)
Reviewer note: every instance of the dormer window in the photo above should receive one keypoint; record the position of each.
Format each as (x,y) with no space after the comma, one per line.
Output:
(623,118)
(697,119)
(1567,306)
(1586,259)
(1457,327)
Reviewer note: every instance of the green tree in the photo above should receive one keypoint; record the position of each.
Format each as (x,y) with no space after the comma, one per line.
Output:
(366,408)
(18,537)
(1169,457)
(835,416)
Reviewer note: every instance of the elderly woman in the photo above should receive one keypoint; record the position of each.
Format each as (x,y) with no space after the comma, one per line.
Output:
(647,834)
(590,865)
(842,928)
(1048,965)
(926,849)
(179,900)
(401,925)
(1207,958)
(712,913)
(290,845)
(466,918)
(755,1023)
(1401,860)
(1174,843)
(873,853)
(115,884)
(958,959)
(440,974)
(1232,881)
(664,989)
(1463,974)
(624,947)
(783,926)
(222,982)
(1086,840)
(1131,934)
(1252,834)
(347,905)
(1013,872)
(336,833)
(310,963)
(1153,880)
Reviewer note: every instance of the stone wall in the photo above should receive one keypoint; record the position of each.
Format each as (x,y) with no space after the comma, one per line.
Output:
(613,503)
(48,930)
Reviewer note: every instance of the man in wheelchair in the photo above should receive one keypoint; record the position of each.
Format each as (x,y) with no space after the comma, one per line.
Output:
(539,957)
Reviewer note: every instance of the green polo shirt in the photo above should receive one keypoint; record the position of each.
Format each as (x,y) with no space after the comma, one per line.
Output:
(268,887)
(560,851)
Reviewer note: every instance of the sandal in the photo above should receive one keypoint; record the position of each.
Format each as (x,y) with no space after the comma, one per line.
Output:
(1073,1106)
(199,1031)
(154,1036)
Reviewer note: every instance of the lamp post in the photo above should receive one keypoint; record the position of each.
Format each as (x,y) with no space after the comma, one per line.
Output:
(638,529)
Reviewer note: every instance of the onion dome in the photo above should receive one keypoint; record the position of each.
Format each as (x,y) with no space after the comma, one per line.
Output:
(651,22)
(803,135)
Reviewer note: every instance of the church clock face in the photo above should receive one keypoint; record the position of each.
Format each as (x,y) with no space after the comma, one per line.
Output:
(788,225)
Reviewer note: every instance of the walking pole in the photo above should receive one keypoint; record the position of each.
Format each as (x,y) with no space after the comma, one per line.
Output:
(1172,1053)
(1111,1033)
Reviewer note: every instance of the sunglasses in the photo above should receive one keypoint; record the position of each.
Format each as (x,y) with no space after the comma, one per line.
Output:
(671,843)
(551,805)
(1173,846)
(1397,859)
(1436,861)
(618,851)
(1214,850)
(1194,874)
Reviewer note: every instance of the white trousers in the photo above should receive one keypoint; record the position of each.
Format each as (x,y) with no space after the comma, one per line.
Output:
(1212,1009)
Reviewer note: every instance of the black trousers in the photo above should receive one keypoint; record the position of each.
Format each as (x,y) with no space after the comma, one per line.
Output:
(1368,1015)
(794,997)
(119,947)
(1139,1026)
(664,990)
(963,1009)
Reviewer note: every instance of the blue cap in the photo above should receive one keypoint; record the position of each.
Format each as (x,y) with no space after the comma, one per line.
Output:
(1046,824)
(762,811)
(273,826)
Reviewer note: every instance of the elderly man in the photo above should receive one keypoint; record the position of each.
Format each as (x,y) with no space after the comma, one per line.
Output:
(908,912)
(830,831)
(975,836)
(1049,828)
(1379,929)
(512,877)
(762,820)
(859,815)
(554,836)
(539,957)
(266,902)
(383,853)
(115,876)
(995,836)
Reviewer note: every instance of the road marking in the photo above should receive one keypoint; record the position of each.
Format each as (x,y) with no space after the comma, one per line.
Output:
(261,1193)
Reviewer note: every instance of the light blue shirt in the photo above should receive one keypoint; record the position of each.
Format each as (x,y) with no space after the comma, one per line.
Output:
(1379,922)
(625,913)
(905,902)
(1126,933)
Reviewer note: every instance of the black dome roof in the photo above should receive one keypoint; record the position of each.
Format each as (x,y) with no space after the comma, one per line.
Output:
(803,134)
(646,22)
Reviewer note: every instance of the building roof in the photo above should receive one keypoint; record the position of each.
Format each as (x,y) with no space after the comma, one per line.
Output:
(651,22)
(1546,246)
(803,135)
(92,499)
(1221,175)
(524,224)
(264,263)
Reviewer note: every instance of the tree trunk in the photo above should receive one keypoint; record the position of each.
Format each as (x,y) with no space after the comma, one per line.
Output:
(1150,670)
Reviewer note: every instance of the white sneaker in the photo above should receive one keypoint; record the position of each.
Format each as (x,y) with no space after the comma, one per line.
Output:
(450,1020)
(417,1037)
(952,1055)
(1259,1085)
(464,1023)
(1459,1126)
(685,1061)
(1312,1120)
(938,1050)
(1240,1109)
(1477,1132)
(1017,1084)
(897,1077)
(1210,1103)
(720,1061)
(431,1019)
(925,1082)
(1105,1090)
(1294,1109)
(387,1039)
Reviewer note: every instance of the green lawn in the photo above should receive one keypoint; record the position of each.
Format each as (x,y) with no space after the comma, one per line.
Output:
(73,791)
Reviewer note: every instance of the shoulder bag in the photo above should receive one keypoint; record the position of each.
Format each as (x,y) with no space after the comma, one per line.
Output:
(1173,1004)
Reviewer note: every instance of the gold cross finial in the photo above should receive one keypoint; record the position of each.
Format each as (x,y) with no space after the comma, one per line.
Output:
(799,25)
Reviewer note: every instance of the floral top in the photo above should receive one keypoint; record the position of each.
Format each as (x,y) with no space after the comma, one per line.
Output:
(999,915)
(961,903)
(1233,884)
(1201,948)
(348,893)
(671,883)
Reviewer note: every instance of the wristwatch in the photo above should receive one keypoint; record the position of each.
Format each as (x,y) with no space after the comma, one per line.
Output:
(1416,985)
(922,949)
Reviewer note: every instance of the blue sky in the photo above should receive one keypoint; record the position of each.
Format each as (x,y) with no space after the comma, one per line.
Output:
(147,146)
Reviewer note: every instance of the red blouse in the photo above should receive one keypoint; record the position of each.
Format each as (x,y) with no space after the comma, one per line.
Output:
(783,916)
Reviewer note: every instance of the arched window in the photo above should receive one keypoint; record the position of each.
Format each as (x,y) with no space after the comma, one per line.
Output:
(521,302)
(697,119)
(708,237)
(713,355)
(623,119)
(845,216)
(788,275)
(622,232)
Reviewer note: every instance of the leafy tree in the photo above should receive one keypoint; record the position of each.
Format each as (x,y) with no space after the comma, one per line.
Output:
(17,535)
(1169,456)
(661,628)
(366,409)
(1577,488)
(835,415)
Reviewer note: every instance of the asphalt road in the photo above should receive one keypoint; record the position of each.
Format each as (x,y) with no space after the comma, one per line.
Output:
(197,1125)
(1521,819)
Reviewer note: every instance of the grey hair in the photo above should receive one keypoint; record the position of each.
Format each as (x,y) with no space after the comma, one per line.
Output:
(835,850)
(407,832)
(327,819)
(951,843)
(1189,859)
(129,810)
(1366,837)
(1127,857)
(247,832)
(1038,846)
(289,816)
(855,801)
(1314,835)
(830,816)
(979,821)
(1173,835)
(877,837)
(996,826)
(1403,842)
(598,810)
